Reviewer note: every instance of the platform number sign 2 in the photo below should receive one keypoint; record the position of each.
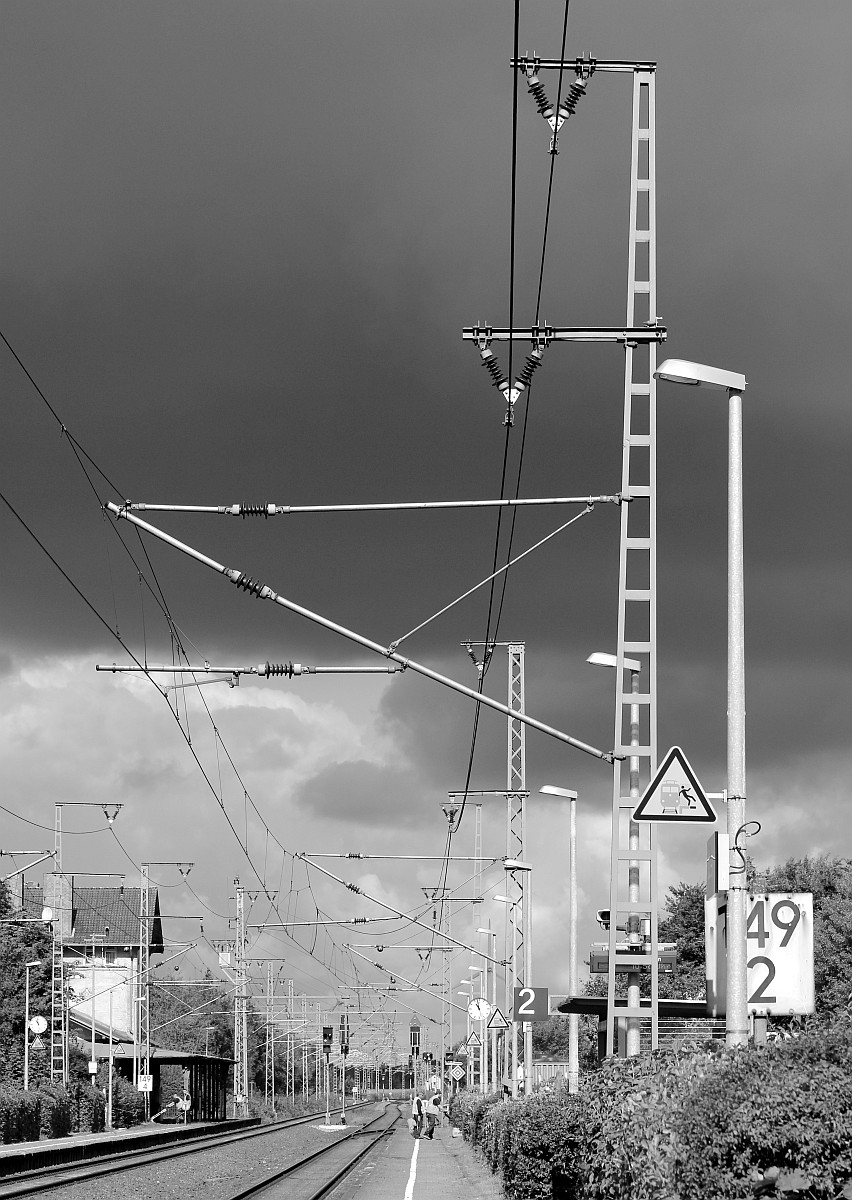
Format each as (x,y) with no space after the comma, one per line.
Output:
(531,1004)
(779,943)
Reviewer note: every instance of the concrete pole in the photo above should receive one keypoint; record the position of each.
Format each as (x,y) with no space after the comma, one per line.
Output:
(634,923)
(736,1021)
(27,1027)
(573,1018)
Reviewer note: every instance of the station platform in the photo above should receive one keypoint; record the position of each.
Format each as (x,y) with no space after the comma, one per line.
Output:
(86,1147)
(444,1168)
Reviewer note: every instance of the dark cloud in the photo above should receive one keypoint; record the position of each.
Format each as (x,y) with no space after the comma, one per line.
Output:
(365,793)
(240,247)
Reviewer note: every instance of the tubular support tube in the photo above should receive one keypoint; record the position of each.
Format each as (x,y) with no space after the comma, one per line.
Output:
(298,669)
(275,510)
(266,593)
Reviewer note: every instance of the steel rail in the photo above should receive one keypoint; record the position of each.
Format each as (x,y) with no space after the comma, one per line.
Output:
(261,1185)
(34,1182)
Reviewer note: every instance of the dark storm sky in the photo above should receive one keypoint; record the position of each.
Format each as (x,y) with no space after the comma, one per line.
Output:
(240,242)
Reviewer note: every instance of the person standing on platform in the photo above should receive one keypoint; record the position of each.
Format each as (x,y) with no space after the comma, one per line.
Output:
(417,1115)
(432,1113)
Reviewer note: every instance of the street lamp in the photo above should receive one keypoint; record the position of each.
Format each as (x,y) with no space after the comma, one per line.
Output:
(27,966)
(697,375)
(550,789)
(492,933)
(634,1030)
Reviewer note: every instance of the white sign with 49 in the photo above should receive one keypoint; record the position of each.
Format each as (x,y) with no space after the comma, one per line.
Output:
(780,953)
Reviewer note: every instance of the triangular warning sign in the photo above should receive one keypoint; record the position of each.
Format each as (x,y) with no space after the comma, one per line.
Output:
(36,1044)
(674,794)
(473,1041)
(497,1020)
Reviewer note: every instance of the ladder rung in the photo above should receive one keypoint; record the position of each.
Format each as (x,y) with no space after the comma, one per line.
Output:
(642,286)
(637,647)
(641,594)
(634,855)
(630,960)
(642,235)
(634,751)
(646,1013)
(636,697)
(639,439)
(633,906)
(639,489)
(638,543)
(641,389)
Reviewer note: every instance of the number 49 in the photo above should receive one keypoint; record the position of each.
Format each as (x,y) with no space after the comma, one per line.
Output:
(756,924)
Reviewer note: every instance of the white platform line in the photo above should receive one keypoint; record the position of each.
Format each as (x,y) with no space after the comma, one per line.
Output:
(412,1175)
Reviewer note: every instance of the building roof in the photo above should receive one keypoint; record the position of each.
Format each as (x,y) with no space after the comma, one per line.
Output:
(108,915)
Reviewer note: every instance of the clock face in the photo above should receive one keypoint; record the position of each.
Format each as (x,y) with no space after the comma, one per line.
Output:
(479,1010)
(38,1024)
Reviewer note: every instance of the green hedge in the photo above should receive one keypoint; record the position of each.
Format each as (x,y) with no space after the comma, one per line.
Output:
(128,1103)
(53,1111)
(20,1114)
(730,1125)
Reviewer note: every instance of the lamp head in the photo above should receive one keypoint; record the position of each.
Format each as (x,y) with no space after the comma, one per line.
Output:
(680,370)
(550,789)
(515,864)
(601,659)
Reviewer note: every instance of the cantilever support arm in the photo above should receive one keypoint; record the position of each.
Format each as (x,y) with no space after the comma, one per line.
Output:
(245,583)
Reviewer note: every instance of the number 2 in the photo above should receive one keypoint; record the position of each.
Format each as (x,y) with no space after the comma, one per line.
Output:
(759,996)
(526,1007)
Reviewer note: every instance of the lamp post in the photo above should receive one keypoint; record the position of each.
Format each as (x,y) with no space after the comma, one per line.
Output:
(513,866)
(468,983)
(35,963)
(634,935)
(551,789)
(492,950)
(697,375)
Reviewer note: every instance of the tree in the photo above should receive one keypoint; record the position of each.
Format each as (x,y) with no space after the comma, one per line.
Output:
(683,924)
(20,944)
(550,1040)
(829,879)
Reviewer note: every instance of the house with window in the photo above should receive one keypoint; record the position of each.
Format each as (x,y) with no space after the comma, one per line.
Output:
(101,933)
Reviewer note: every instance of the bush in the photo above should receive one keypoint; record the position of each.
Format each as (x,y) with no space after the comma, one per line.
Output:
(467,1111)
(128,1104)
(788,1106)
(724,1123)
(88,1108)
(19,1116)
(55,1110)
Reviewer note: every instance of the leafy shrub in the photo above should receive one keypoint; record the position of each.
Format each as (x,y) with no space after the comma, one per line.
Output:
(88,1107)
(128,1104)
(19,1116)
(54,1110)
(787,1107)
(730,1124)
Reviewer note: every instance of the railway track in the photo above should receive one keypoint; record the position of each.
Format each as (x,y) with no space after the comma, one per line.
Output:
(361,1137)
(316,1175)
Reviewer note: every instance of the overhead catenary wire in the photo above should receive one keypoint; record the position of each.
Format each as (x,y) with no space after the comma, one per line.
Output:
(537,545)
(263,591)
(245,839)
